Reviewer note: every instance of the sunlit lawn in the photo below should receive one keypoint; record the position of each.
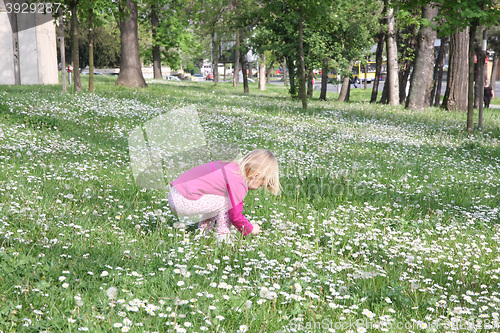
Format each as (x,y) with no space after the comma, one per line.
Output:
(388,219)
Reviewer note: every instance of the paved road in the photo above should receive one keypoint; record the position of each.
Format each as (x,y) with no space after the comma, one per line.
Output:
(336,88)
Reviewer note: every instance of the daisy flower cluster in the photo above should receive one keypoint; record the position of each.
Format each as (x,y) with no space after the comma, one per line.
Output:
(388,220)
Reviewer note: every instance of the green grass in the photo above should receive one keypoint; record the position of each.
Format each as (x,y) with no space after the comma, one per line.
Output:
(387,216)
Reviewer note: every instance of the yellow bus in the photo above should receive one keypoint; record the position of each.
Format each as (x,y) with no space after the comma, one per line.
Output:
(358,72)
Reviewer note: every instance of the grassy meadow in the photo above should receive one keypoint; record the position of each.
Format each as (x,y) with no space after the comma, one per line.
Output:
(388,220)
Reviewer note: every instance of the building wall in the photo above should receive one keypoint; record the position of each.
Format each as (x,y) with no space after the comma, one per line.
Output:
(7,62)
(37,49)
(47,53)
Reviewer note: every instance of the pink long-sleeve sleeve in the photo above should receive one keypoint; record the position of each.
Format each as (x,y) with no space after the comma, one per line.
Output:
(239,220)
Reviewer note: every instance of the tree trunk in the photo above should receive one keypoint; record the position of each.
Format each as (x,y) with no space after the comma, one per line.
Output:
(477,77)
(215,57)
(302,89)
(156,45)
(385,95)
(262,72)
(470,90)
(130,63)
(392,59)
(346,85)
(348,96)
(324,80)
(421,80)
(379,54)
(310,85)
(403,76)
(378,66)
(91,47)
(493,78)
(284,67)
(438,74)
(480,69)
(455,96)
(291,73)
(63,51)
(243,61)
(270,71)
(236,69)
(75,56)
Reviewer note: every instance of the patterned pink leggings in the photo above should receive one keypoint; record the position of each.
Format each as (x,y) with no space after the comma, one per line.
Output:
(211,208)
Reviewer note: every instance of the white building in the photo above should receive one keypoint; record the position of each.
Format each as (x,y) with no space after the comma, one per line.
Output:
(28,53)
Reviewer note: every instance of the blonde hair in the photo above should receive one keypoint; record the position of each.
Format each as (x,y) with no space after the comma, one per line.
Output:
(263,162)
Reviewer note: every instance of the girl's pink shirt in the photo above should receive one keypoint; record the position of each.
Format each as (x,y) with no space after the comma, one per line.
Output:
(219,178)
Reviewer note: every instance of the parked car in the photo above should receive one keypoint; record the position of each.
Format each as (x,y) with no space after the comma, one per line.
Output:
(210,76)
(171,78)
(197,77)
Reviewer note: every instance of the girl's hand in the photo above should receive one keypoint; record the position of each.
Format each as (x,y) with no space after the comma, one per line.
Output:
(256,229)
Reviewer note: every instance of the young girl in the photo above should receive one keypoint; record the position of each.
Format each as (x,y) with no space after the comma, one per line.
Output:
(216,191)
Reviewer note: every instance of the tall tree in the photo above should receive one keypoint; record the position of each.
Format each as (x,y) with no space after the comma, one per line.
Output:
(324,79)
(210,23)
(349,34)
(378,65)
(346,85)
(455,96)
(236,67)
(156,45)
(392,59)
(91,46)
(95,12)
(494,44)
(243,61)
(238,21)
(62,49)
(302,87)
(435,97)
(480,61)
(380,38)
(406,38)
(453,16)
(470,87)
(166,36)
(289,21)
(421,80)
(262,71)
(130,66)
(75,57)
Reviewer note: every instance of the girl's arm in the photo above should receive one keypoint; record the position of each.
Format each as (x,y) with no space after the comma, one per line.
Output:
(239,221)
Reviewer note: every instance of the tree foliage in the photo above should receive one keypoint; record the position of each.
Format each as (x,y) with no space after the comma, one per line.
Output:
(174,33)
(341,31)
